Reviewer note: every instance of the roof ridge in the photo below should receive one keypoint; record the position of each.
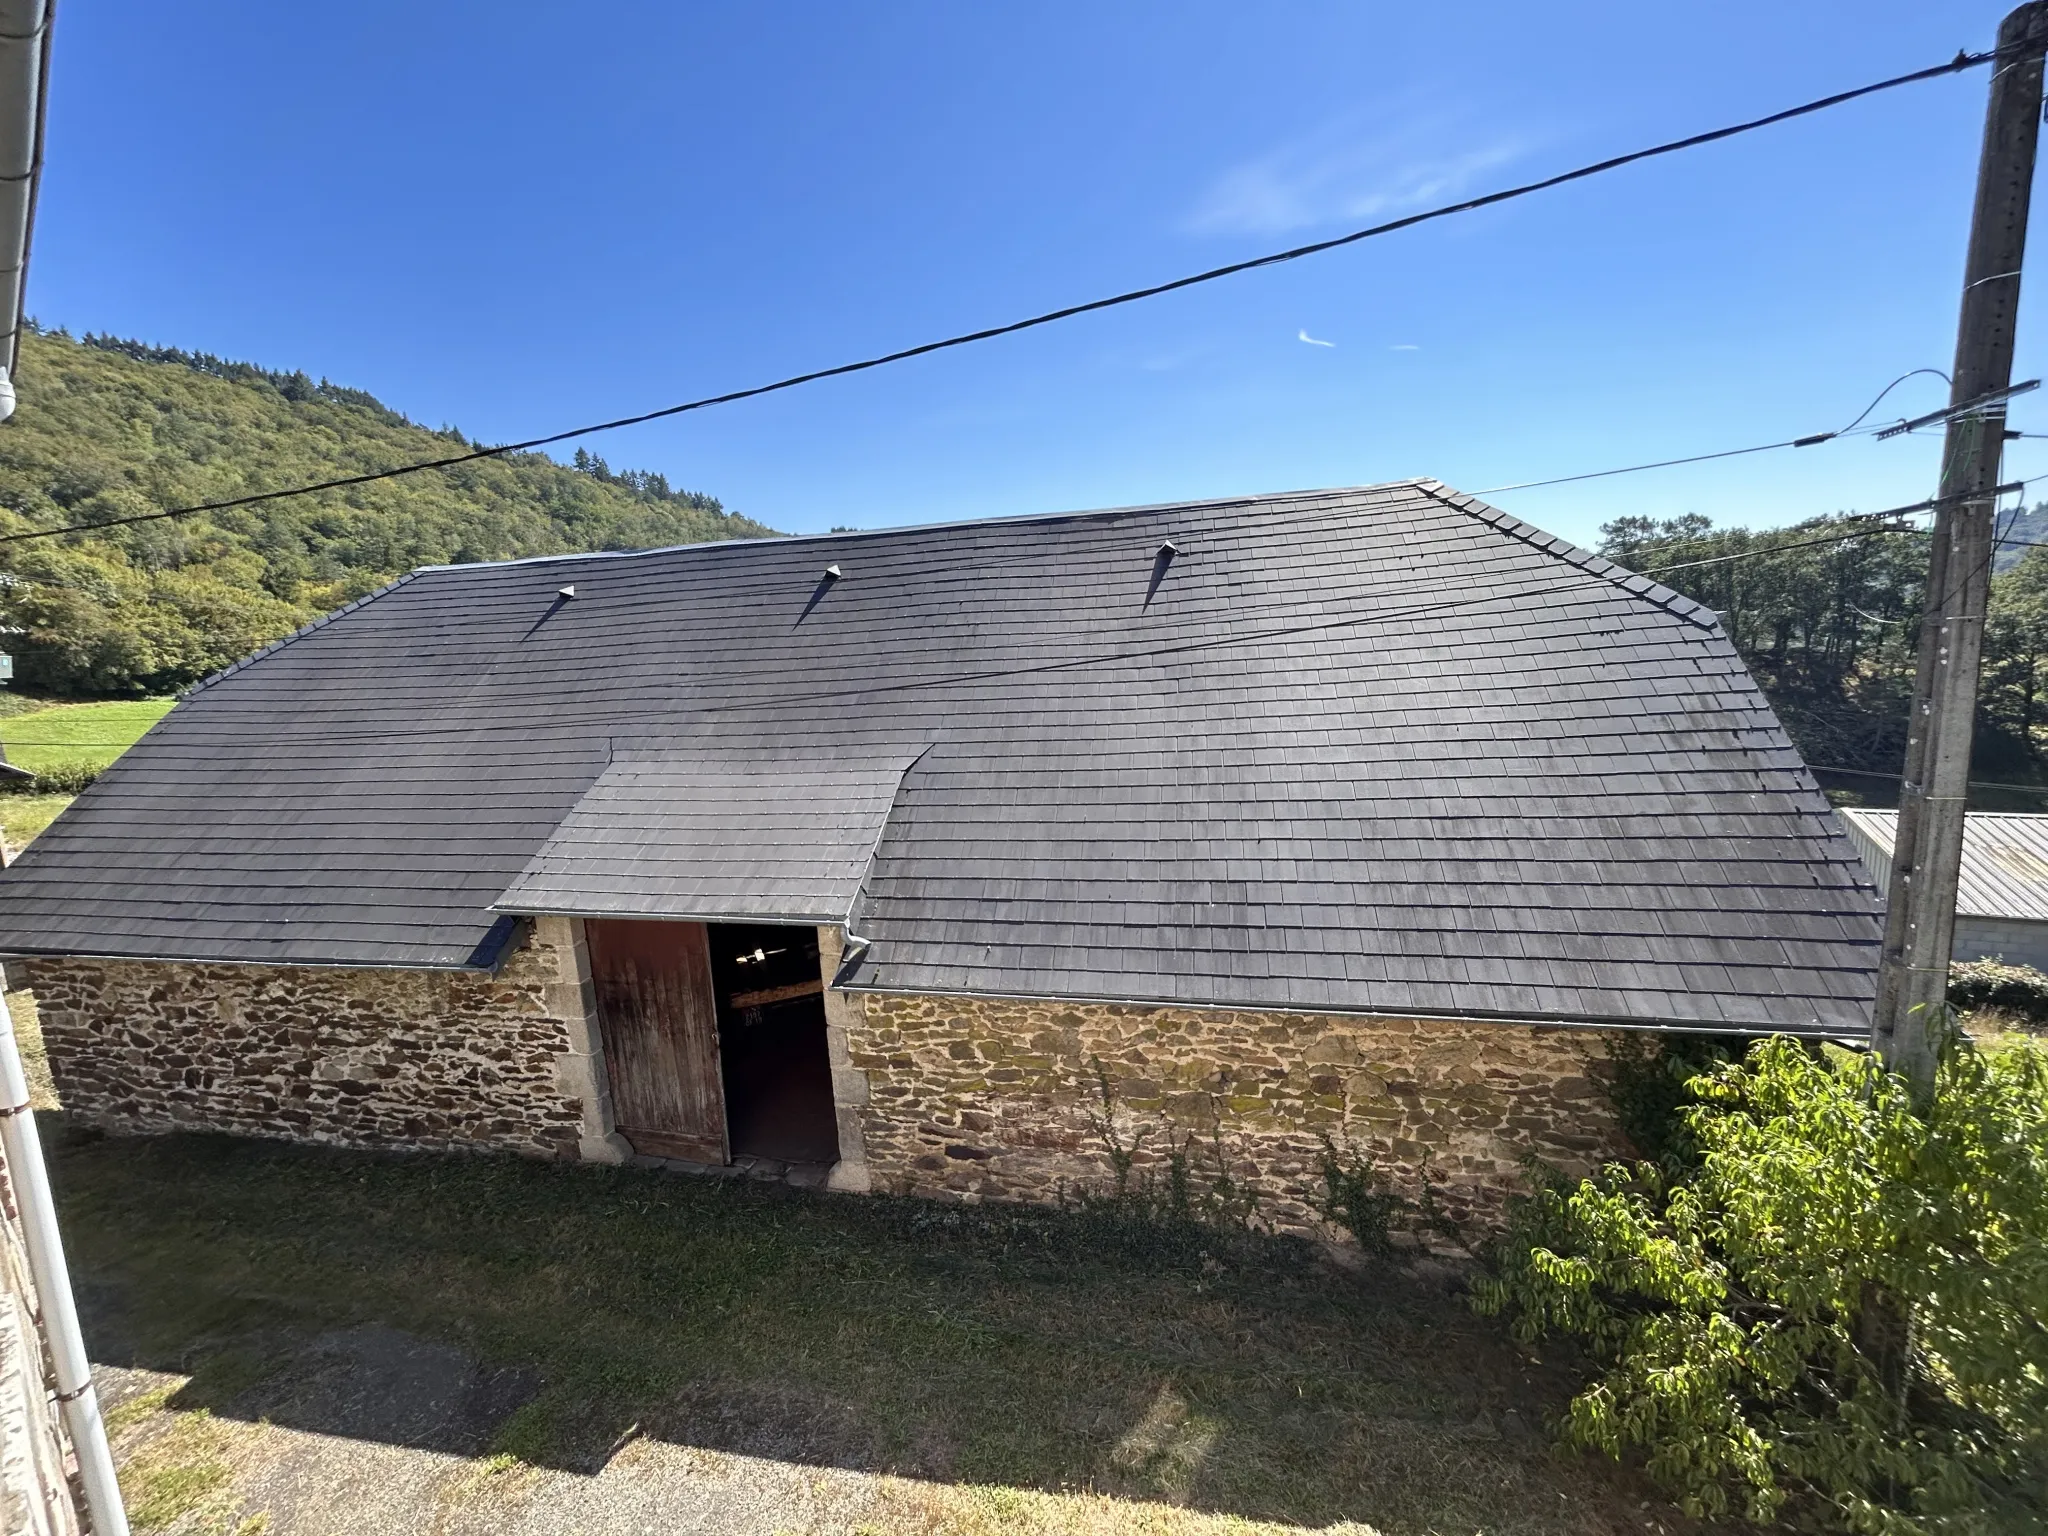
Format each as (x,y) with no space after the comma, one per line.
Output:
(298,634)
(1631,582)
(1011,520)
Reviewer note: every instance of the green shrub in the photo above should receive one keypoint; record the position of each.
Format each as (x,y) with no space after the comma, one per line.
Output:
(64,779)
(1649,1089)
(2017,990)
(1720,1306)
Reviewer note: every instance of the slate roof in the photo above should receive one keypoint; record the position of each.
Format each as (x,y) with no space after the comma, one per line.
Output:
(2005,860)
(1376,750)
(685,835)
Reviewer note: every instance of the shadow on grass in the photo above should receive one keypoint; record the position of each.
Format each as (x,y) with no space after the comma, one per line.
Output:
(473,1305)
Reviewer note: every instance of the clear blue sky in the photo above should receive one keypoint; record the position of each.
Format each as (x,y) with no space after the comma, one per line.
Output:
(516,217)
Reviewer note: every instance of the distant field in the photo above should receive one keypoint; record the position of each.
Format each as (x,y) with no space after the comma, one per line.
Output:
(48,736)
(42,736)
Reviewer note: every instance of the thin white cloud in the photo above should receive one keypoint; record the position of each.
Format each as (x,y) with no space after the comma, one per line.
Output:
(1312,341)
(1404,346)
(1355,169)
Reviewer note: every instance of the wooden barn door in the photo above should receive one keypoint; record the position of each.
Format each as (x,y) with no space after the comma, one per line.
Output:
(660,1024)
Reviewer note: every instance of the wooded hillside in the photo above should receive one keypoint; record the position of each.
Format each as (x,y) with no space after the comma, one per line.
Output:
(109,428)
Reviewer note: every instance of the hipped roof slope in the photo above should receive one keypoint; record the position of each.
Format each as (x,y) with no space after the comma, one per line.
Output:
(1379,750)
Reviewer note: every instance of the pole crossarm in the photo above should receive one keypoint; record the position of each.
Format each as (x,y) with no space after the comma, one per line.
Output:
(1951,412)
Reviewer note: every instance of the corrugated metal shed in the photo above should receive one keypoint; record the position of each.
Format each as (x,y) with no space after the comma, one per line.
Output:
(2005,860)
(1384,750)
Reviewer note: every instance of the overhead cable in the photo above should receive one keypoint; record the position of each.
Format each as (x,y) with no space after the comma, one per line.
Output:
(844,692)
(1899,778)
(1811,440)
(1961,61)
(1895,383)
(1631,469)
(1589,584)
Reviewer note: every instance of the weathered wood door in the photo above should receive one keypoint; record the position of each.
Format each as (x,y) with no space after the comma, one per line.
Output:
(660,1023)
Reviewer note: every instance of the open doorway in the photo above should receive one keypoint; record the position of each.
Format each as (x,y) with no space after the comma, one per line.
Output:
(771,1039)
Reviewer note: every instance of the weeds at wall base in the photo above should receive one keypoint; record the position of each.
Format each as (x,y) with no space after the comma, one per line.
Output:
(1196,1191)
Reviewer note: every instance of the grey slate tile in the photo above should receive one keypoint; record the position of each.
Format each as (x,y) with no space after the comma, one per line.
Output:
(1563,801)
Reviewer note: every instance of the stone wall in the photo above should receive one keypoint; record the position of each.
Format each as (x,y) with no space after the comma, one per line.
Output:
(849,1083)
(978,1100)
(957,1098)
(376,1058)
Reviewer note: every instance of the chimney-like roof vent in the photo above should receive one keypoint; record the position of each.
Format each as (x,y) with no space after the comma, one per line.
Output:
(832,573)
(569,591)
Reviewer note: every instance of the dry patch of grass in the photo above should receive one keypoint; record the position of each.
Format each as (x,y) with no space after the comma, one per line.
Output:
(924,1509)
(177,1468)
(24,817)
(28,1039)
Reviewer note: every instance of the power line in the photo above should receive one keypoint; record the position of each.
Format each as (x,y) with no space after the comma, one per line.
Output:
(1812,440)
(1839,535)
(1899,778)
(1895,383)
(1961,61)
(1697,458)
(842,693)
(1591,583)
(1842,534)
(1832,538)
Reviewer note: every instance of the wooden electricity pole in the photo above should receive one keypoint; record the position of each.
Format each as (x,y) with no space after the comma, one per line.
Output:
(1927,848)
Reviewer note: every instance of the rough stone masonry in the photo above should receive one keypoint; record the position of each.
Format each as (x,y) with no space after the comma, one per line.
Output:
(378,1058)
(964,1099)
(980,1099)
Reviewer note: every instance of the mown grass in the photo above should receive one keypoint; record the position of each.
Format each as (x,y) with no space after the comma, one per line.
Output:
(46,736)
(56,735)
(1035,1351)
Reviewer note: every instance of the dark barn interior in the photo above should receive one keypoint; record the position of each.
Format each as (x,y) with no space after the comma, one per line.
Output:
(771,1039)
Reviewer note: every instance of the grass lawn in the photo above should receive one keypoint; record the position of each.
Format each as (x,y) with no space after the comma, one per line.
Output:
(51,735)
(1000,1358)
(42,735)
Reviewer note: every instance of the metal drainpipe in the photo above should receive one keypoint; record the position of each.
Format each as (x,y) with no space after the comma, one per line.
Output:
(80,1403)
(24,81)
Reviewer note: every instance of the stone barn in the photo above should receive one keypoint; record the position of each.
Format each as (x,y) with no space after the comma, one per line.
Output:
(871,859)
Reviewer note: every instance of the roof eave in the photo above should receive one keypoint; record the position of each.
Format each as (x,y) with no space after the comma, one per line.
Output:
(1815,1030)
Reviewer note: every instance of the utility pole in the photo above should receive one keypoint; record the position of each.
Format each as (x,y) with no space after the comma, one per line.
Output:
(1927,848)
